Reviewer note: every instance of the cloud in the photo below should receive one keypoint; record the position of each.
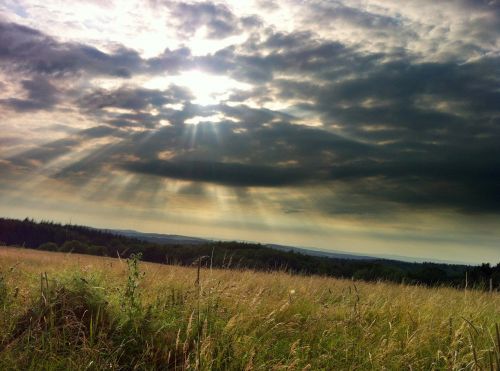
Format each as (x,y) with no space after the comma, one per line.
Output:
(300,54)
(124,97)
(41,95)
(229,174)
(34,158)
(328,12)
(136,104)
(218,20)
(26,49)
(170,61)
(98,132)
(450,30)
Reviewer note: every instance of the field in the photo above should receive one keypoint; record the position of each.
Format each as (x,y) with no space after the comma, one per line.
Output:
(67,311)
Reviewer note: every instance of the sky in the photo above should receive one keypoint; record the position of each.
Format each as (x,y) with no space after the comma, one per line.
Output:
(365,126)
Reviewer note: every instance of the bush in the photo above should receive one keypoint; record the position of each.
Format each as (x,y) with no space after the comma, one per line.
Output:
(48,246)
(74,246)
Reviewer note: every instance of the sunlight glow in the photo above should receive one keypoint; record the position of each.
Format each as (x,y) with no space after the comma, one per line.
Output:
(208,89)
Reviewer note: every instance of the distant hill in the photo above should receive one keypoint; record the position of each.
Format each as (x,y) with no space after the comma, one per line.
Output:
(187,240)
(159,238)
(325,254)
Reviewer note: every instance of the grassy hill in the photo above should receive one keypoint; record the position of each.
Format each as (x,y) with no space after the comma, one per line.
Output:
(61,311)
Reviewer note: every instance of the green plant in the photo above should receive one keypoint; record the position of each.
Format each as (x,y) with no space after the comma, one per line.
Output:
(131,301)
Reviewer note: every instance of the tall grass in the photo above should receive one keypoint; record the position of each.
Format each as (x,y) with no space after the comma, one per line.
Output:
(60,312)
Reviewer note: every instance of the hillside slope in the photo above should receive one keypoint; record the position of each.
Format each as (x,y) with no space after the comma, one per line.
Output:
(71,311)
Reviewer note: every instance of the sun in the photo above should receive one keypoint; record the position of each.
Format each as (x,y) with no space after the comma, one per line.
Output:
(208,89)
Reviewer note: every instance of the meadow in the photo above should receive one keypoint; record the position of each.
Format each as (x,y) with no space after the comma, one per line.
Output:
(62,311)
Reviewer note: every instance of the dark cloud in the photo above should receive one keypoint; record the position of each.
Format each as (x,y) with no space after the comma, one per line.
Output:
(298,53)
(133,120)
(171,61)
(230,174)
(138,101)
(27,49)
(98,132)
(41,94)
(127,98)
(218,19)
(466,183)
(404,80)
(252,21)
(281,41)
(330,12)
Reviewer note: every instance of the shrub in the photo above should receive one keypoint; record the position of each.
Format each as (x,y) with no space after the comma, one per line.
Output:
(74,246)
(48,246)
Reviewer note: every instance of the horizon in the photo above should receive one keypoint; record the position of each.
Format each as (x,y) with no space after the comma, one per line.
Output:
(402,258)
(366,127)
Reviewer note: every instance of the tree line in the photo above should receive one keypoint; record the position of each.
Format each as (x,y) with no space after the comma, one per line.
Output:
(49,236)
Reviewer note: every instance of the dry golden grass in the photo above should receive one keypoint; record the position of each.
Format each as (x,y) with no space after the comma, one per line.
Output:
(248,320)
